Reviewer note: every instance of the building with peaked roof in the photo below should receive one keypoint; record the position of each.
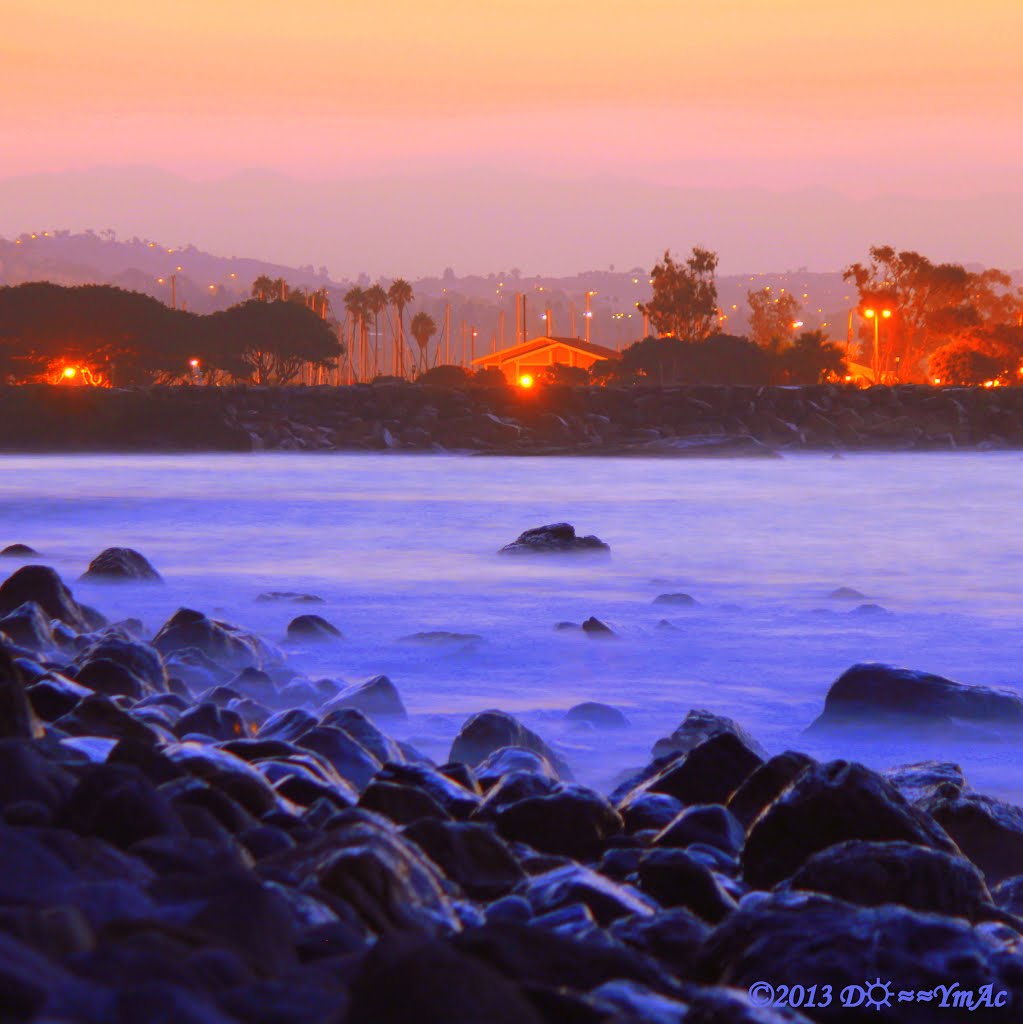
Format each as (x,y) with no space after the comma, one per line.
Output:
(533,355)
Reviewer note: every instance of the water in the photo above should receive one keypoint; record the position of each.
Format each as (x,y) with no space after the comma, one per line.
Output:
(398,545)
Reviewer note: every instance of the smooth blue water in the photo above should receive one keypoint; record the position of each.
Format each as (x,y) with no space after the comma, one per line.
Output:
(399,544)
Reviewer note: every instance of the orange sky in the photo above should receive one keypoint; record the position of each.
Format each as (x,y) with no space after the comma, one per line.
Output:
(914,95)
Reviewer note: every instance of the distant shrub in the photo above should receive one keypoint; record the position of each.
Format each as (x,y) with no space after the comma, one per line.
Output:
(445,376)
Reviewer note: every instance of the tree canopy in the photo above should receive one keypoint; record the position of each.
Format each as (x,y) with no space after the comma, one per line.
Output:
(684,304)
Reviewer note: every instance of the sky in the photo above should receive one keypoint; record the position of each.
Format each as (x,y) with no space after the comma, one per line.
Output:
(910,97)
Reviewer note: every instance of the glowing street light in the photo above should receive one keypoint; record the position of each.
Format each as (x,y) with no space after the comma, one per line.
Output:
(69,372)
(526,381)
(876,315)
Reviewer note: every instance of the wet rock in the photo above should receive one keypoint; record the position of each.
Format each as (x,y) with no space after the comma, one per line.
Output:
(471,855)
(209,720)
(600,716)
(674,937)
(734,1006)
(700,725)
(765,784)
(512,787)
(870,874)
(513,759)
(18,551)
(226,772)
(220,641)
(42,585)
(26,776)
(133,654)
(606,900)
(649,811)
(28,627)
(439,985)
(110,678)
(349,758)
(916,781)
(401,804)
(1008,895)
(988,831)
(872,695)
(377,697)
(557,538)
(55,695)
(827,804)
(629,1003)
(709,773)
(452,796)
(595,628)
(870,611)
(441,638)
(847,594)
(574,822)
(98,715)
(675,878)
(364,732)
(679,600)
(703,823)
(487,731)
(813,936)
(196,670)
(288,597)
(121,564)
(17,719)
(313,628)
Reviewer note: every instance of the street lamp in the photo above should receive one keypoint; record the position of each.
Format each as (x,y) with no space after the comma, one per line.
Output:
(876,315)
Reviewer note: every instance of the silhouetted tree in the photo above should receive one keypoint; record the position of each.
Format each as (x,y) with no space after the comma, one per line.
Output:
(810,359)
(400,294)
(423,328)
(685,297)
(376,300)
(772,316)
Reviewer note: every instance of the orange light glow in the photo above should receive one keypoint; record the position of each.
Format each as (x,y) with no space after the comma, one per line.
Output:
(526,381)
(69,372)
(937,380)
(194,363)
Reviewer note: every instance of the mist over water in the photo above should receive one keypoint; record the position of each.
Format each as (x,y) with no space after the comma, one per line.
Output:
(401,544)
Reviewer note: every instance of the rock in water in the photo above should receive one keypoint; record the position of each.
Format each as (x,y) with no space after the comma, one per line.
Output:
(17,719)
(600,716)
(41,584)
(700,725)
(555,539)
(377,697)
(18,551)
(313,627)
(488,731)
(868,695)
(123,564)
(217,640)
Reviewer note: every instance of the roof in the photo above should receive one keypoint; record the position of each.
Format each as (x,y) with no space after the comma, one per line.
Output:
(534,344)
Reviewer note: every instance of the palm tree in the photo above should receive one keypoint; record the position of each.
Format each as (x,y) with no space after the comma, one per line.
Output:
(376,301)
(400,295)
(355,304)
(423,328)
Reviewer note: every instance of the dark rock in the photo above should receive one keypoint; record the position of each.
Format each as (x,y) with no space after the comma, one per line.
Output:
(454,798)
(870,611)
(133,654)
(871,874)
(41,584)
(601,716)
(792,937)
(1009,895)
(698,726)
(54,695)
(680,600)
(401,804)
(27,776)
(606,900)
(734,1006)
(511,788)
(847,594)
(111,679)
(827,804)
(288,597)
(557,538)
(873,695)
(675,878)
(649,811)
(197,670)
(122,564)
(377,697)
(513,759)
(28,627)
(673,937)
(220,641)
(765,784)
(595,628)
(350,759)
(471,855)
(440,638)
(916,781)
(575,822)
(703,823)
(209,720)
(463,775)
(487,731)
(97,715)
(629,1003)
(364,732)
(18,551)
(988,831)
(313,628)
(256,684)
(709,773)
(288,725)
(226,772)
(439,985)
(17,719)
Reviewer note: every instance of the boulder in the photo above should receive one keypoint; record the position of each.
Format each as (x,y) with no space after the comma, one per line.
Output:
(470,855)
(675,878)
(703,823)
(827,804)
(101,675)
(458,801)
(573,822)
(558,539)
(138,657)
(41,584)
(487,731)
(649,811)
(401,804)
(572,883)
(288,597)
(790,938)
(672,936)
(500,763)
(709,773)
(700,725)
(1008,895)
(916,781)
(870,874)
(377,697)
(440,638)
(99,715)
(988,831)
(121,565)
(765,784)
(365,733)
(867,696)
(17,719)
(224,643)
(678,600)
(846,594)
(312,628)
(349,758)
(28,627)
(511,788)
(18,551)
(600,716)
(593,627)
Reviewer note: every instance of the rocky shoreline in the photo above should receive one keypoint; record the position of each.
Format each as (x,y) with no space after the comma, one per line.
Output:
(192,832)
(397,416)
